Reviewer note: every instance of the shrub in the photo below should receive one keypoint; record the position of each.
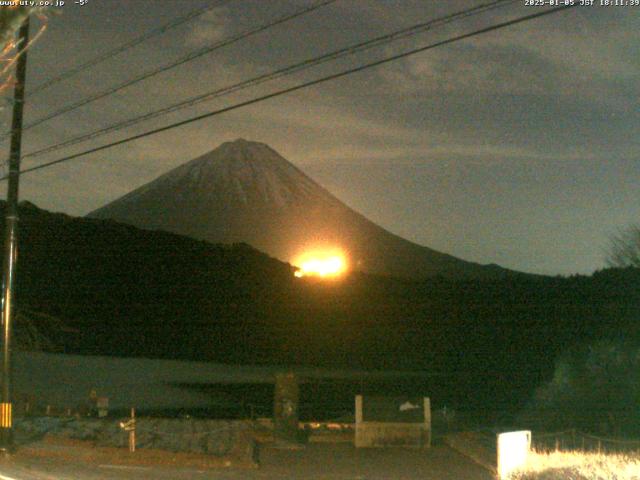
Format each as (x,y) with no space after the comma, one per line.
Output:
(594,388)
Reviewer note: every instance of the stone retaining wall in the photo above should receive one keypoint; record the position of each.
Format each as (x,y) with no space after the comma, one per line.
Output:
(211,437)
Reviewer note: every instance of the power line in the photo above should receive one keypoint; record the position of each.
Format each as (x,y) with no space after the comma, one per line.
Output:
(187,58)
(300,87)
(125,46)
(289,70)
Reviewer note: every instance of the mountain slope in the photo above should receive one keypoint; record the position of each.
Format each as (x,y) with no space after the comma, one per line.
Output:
(246,192)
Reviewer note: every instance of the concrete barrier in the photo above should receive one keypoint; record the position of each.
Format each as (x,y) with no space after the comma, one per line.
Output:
(513,449)
(389,424)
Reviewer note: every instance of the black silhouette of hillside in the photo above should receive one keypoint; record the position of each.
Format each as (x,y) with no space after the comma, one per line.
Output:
(129,292)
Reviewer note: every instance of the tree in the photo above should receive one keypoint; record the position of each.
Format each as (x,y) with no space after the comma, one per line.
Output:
(624,250)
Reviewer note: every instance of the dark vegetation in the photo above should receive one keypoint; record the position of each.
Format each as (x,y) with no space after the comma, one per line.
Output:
(595,388)
(123,291)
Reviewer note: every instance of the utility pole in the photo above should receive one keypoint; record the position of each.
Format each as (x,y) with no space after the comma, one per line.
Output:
(11,241)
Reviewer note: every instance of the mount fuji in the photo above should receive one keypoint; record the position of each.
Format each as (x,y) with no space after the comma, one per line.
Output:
(246,192)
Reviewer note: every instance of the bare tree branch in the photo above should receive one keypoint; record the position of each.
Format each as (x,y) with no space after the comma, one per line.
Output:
(624,249)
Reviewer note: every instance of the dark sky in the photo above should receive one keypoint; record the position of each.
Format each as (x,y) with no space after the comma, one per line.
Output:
(519,147)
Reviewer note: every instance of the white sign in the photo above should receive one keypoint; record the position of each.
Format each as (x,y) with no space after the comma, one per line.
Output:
(408,406)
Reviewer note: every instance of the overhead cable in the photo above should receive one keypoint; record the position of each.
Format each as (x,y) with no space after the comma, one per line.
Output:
(124,47)
(301,86)
(275,74)
(181,61)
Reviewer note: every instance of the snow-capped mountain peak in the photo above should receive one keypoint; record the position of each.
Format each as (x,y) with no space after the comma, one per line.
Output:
(245,191)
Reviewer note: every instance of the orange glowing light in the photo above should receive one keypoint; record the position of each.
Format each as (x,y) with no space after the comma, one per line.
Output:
(321,264)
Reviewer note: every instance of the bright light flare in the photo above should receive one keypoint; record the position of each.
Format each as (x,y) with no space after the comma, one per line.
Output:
(319,264)
(513,450)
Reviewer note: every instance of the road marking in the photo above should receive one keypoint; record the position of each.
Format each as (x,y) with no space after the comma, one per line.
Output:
(122,467)
(28,474)
(3,477)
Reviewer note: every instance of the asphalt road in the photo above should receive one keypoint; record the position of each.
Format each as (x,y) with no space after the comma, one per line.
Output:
(315,462)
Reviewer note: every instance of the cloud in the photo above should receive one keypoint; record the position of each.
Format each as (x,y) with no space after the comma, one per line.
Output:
(561,56)
(209,28)
(482,69)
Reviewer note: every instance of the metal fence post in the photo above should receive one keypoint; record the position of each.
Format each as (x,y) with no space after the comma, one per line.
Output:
(132,432)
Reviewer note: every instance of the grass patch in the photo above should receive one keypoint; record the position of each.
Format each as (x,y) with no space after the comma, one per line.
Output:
(579,466)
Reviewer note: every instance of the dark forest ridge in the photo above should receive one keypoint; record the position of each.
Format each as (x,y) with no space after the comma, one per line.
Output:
(246,192)
(123,291)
